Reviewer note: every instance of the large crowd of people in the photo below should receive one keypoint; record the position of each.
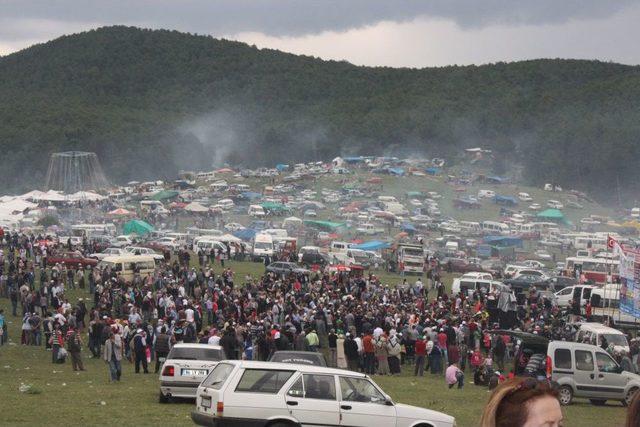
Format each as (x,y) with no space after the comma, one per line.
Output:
(359,322)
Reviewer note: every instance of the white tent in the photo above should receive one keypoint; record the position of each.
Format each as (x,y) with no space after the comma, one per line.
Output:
(229,238)
(196,207)
(85,195)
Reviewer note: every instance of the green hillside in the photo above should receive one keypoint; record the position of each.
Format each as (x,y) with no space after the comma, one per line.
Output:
(153,102)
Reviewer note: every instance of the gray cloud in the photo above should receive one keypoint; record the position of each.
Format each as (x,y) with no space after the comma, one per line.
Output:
(295,17)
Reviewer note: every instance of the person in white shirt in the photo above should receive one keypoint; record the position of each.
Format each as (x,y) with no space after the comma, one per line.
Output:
(189,314)
(214,339)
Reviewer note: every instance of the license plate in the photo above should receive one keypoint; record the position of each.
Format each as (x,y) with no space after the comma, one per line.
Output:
(194,372)
(205,402)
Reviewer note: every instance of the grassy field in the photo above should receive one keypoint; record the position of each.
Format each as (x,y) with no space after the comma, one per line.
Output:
(61,397)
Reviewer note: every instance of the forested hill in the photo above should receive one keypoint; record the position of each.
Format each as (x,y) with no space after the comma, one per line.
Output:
(153,102)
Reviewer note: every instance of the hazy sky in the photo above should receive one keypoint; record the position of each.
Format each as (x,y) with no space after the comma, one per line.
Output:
(399,33)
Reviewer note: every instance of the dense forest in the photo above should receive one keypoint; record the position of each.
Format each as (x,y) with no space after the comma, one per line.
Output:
(153,102)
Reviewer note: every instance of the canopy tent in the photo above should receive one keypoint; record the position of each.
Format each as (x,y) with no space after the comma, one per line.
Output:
(196,207)
(324,225)
(246,234)
(230,238)
(120,212)
(85,195)
(164,195)
(274,207)
(396,171)
(372,245)
(281,167)
(552,215)
(408,227)
(292,221)
(432,171)
(138,227)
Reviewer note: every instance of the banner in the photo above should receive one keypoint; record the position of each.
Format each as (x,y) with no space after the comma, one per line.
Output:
(629,277)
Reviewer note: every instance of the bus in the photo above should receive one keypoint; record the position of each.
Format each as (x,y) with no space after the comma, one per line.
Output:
(493,227)
(597,270)
(88,230)
(590,242)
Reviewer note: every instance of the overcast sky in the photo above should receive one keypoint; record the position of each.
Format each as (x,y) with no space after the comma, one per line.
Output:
(398,33)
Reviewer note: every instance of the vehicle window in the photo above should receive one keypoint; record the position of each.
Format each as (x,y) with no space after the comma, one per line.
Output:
(319,387)
(566,291)
(360,390)
(562,358)
(297,389)
(584,360)
(606,363)
(263,380)
(217,376)
(185,353)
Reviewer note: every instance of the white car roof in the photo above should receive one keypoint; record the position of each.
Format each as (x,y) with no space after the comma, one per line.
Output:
(252,364)
(196,345)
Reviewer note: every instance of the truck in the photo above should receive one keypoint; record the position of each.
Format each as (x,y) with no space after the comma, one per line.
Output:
(410,258)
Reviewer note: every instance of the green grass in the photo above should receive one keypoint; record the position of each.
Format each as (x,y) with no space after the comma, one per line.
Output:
(61,397)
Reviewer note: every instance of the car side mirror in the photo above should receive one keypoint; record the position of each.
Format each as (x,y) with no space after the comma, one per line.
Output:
(387,400)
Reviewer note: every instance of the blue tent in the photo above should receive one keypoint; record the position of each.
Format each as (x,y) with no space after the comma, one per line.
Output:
(396,171)
(503,241)
(409,228)
(281,167)
(372,245)
(432,171)
(246,234)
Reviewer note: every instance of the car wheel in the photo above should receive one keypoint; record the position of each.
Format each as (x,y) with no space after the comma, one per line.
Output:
(163,399)
(597,402)
(282,424)
(629,396)
(566,395)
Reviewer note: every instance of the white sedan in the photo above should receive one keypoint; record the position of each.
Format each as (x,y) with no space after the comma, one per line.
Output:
(108,252)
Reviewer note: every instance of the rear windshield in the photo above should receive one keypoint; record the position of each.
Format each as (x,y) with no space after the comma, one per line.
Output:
(305,359)
(186,353)
(218,376)
(615,339)
(263,380)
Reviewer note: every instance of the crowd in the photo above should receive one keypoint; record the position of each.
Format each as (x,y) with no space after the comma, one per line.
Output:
(373,327)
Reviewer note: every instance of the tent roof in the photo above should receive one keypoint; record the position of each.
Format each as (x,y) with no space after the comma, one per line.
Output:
(164,195)
(551,214)
(372,245)
(137,226)
(196,207)
(272,206)
(324,224)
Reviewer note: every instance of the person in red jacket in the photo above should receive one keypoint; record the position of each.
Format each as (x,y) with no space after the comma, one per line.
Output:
(420,353)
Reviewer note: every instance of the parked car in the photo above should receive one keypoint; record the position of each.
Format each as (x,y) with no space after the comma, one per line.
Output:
(73,258)
(185,367)
(138,250)
(281,267)
(581,370)
(280,394)
(233,226)
(299,357)
(108,252)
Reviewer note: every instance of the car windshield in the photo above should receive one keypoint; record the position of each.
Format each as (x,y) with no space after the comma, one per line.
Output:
(615,339)
(263,245)
(194,353)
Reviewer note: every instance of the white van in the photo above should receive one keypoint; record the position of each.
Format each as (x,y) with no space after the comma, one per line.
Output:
(470,227)
(262,246)
(470,282)
(256,211)
(387,199)
(127,265)
(225,204)
(451,248)
(181,238)
(339,246)
(598,334)
(554,204)
(571,293)
(252,393)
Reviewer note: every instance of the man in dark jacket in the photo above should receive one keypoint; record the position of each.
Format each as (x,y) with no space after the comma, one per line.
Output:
(163,346)
(140,351)
(228,343)
(351,352)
